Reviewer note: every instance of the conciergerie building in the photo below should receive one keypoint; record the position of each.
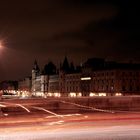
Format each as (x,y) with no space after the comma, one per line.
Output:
(95,77)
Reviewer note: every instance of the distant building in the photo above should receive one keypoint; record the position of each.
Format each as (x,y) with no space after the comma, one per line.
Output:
(25,84)
(124,81)
(8,87)
(96,77)
(39,82)
(24,87)
(73,84)
(115,79)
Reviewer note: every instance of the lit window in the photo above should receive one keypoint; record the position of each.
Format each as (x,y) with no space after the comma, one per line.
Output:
(118,94)
(86,78)
(72,94)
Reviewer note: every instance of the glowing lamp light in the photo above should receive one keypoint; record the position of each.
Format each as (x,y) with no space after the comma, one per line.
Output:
(79,94)
(86,78)
(92,94)
(118,94)
(49,94)
(1,44)
(72,94)
(39,94)
(102,94)
(23,95)
(57,94)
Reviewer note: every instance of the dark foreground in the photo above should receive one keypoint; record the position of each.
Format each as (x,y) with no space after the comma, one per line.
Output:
(40,123)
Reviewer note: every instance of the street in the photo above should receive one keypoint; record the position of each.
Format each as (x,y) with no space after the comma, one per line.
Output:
(44,124)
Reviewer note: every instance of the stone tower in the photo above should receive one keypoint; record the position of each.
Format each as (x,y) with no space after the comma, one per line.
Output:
(35,73)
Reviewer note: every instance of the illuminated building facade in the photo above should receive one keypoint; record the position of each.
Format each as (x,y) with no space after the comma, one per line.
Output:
(8,88)
(73,84)
(96,77)
(115,81)
(25,84)
(24,87)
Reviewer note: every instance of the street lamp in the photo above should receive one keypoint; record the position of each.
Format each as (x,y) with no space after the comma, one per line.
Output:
(1,43)
(1,47)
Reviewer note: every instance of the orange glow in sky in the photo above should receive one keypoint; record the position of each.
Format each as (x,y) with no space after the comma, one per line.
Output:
(1,45)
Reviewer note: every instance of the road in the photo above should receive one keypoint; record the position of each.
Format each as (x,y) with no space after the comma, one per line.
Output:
(47,125)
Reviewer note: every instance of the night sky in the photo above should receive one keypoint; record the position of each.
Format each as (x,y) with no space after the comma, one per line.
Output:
(47,30)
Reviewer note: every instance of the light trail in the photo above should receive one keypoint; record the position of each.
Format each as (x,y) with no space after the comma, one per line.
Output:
(55,115)
(2,105)
(67,115)
(38,108)
(23,107)
(88,107)
(122,132)
(55,123)
(43,109)
(120,111)
(97,109)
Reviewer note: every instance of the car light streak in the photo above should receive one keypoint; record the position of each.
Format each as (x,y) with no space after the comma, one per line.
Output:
(23,107)
(88,107)
(40,108)
(2,105)
(58,122)
(5,114)
(67,115)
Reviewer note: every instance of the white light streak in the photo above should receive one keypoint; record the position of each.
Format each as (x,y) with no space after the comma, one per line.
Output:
(58,122)
(17,105)
(2,105)
(23,107)
(88,107)
(40,108)
(118,94)
(86,78)
(72,94)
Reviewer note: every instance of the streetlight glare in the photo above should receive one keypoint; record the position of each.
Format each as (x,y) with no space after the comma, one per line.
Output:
(2,48)
(1,44)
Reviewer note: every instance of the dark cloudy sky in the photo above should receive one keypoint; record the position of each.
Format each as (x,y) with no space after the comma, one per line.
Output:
(50,29)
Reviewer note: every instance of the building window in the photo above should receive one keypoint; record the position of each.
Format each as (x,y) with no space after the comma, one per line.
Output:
(123,80)
(123,88)
(130,88)
(102,81)
(137,74)
(112,88)
(138,88)
(123,73)
(107,87)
